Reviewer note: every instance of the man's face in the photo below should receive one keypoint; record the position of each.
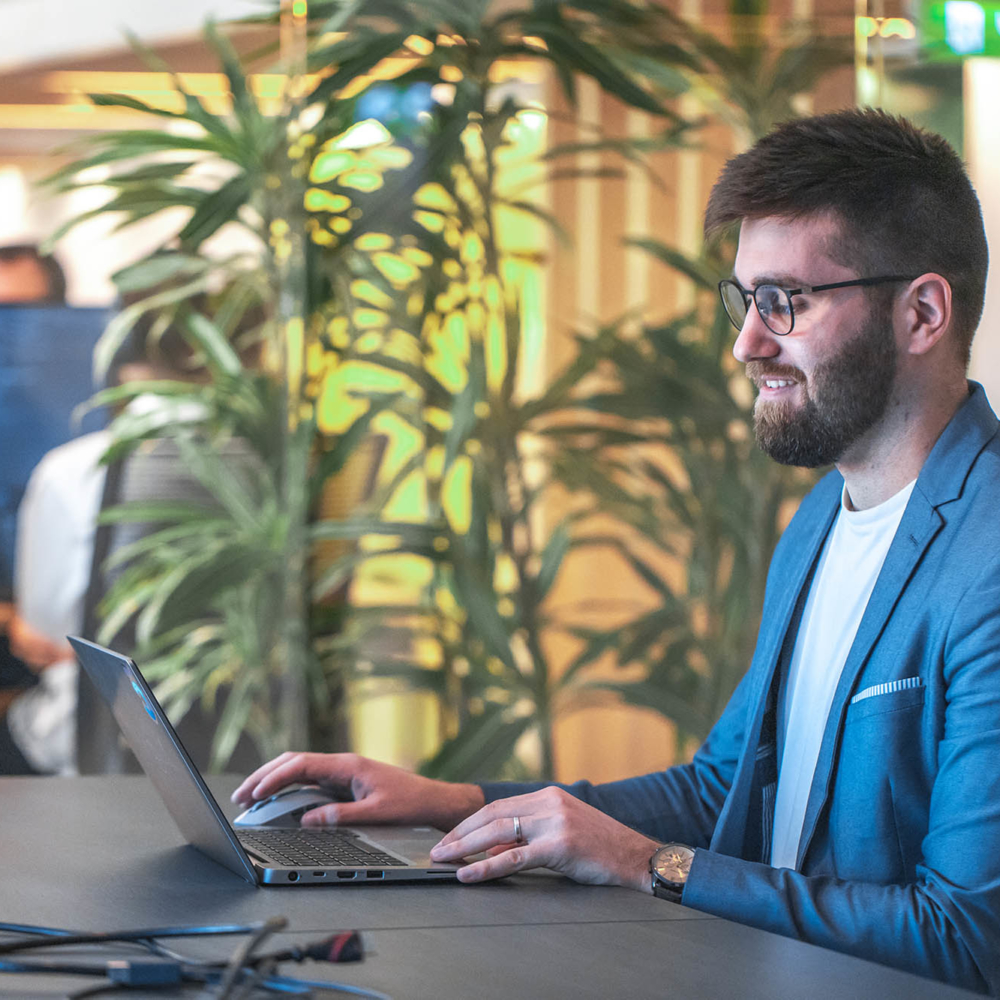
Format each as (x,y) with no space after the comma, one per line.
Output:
(23,279)
(826,384)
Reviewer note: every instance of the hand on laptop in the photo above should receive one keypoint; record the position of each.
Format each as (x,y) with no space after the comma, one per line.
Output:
(557,831)
(382,793)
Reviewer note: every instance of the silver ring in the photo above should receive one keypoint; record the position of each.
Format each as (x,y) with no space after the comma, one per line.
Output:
(518,836)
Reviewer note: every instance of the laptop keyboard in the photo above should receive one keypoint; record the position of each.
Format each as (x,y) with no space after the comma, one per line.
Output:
(316,848)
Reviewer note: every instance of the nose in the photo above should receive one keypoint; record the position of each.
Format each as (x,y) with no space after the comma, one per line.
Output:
(755,340)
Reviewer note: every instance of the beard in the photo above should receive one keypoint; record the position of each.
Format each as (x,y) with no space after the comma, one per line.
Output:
(845,397)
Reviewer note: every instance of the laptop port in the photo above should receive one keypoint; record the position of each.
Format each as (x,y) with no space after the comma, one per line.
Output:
(347,874)
(319,874)
(374,874)
(293,876)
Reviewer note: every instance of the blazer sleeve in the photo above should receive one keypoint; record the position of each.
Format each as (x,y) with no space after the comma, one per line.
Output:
(681,803)
(945,924)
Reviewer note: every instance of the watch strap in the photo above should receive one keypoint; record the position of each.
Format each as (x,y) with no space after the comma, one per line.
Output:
(662,885)
(671,891)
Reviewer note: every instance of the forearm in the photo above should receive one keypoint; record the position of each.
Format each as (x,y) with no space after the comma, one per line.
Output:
(913,927)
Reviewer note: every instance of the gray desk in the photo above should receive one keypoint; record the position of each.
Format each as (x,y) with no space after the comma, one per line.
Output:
(97,853)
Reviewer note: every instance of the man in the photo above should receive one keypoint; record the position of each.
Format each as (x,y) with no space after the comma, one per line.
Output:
(56,525)
(850,793)
(26,278)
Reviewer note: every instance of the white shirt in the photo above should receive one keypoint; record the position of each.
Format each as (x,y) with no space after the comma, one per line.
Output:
(844,580)
(56,523)
(55,546)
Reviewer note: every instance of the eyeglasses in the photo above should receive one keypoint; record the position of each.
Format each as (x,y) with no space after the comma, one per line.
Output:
(774,303)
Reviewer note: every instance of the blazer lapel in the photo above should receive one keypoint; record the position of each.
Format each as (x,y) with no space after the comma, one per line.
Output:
(731,829)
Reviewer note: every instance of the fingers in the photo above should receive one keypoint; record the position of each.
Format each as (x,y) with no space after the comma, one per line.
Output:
(493,834)
(516,805)
(367,810)
(244,794)
(491,831)
(517,859)
(493,851)
(291,767)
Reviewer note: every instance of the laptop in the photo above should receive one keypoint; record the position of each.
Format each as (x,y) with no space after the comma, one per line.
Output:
(261,855)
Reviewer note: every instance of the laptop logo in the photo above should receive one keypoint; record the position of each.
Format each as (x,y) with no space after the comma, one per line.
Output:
(142,697)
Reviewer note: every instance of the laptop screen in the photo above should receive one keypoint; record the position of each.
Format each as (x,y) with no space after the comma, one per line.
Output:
(162,755)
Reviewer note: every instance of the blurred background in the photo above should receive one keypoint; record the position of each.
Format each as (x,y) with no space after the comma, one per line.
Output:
(465,478)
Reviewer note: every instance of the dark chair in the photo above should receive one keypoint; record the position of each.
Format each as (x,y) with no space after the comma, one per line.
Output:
(155,472)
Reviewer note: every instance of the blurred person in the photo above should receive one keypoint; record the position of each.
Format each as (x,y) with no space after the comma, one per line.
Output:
(26,278)
(849,795)
(56,525)
(56,522)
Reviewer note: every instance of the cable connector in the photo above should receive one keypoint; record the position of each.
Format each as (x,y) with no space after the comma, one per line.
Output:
(144,971)
(344,946)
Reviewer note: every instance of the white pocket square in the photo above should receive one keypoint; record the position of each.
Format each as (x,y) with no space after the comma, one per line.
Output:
(889,687)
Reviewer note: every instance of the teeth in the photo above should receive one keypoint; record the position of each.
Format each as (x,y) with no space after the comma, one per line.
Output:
(777,383)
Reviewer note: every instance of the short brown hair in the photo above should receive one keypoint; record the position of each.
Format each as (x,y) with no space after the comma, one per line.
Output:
(901,194)
(55,277)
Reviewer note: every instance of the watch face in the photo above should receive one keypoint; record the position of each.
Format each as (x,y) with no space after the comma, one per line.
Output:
(673,862)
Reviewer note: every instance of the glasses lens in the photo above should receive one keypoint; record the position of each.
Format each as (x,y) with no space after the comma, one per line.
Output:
(775,308)
(734,301)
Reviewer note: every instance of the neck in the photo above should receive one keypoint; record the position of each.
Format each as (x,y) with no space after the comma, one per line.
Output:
(892,453)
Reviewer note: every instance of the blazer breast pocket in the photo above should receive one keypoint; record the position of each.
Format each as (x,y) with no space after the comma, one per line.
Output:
(890,696)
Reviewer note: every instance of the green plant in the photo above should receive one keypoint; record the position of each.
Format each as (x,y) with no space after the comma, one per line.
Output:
(697,515)
(393,299)
(222,596)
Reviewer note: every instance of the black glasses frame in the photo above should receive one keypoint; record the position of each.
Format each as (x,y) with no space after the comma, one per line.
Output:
(751,294)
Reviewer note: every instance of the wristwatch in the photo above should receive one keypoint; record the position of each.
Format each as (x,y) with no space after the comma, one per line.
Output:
(669,867)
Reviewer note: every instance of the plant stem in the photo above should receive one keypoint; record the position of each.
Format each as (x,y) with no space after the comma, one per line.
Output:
(292,650)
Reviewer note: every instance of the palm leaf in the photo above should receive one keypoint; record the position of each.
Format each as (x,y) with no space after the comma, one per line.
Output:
(586,58)
(552,557)
(215,210)
(484,744)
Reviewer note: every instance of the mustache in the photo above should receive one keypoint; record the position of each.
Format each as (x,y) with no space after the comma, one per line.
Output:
(757,371)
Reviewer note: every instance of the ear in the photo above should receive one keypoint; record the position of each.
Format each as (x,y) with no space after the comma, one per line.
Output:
(925,311)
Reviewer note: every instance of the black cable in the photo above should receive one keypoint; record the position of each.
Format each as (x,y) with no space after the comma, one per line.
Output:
(258,971)
(55,965)
(51,937)
(33,929)
(240,957)
(149,945)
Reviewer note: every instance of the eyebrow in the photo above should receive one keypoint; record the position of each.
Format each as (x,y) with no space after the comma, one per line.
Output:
(782,280)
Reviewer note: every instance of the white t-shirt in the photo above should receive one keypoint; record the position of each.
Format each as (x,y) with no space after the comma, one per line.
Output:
(844,580)
(55,547)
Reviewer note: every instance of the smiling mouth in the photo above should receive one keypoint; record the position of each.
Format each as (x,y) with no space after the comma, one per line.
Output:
(773,378)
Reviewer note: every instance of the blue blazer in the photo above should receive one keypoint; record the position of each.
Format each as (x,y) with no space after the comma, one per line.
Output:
(899,860)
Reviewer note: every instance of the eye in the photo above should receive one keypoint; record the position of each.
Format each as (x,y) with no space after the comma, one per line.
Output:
(772,301)
(800,303)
